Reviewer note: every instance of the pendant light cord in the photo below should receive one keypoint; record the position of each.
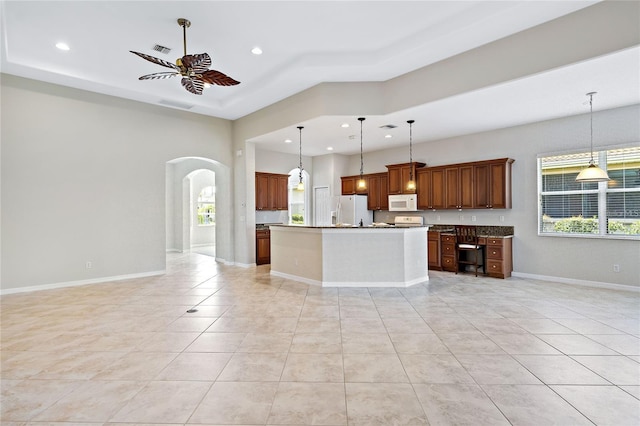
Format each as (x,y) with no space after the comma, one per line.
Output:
(300,168)
(410,148)
(361,119)
(591,122)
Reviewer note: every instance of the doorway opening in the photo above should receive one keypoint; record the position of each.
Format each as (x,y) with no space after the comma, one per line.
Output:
(198,207)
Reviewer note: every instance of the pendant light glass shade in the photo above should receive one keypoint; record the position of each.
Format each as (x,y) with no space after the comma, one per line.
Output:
(362,184)
(592,173)
(411,185)
(300,186)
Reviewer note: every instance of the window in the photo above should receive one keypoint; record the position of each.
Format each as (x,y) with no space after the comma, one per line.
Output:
(298,199)
(207,206)
(599,209)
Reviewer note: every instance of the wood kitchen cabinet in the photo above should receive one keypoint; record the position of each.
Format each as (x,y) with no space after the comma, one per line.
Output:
(431,188)
(272,191)
(448,251)
(498,254)
(493,184)
(459,187)
(399,175)
(263,246)
(378,192)
(433,250)
(349,185)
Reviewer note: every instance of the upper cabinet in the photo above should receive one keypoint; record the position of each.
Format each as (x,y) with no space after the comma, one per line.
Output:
(459,187)
(476,185)
(350,185)
(399,176)
(272,191)
(493,184)
(378,191)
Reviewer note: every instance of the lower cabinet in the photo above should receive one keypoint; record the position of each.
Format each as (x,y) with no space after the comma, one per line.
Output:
(448,247)
(498,254)
(433,250)
(497,251)
(263,246)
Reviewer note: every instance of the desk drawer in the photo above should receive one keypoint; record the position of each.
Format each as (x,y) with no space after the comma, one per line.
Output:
(494,241)
(494,252)
(448,249)
(446,238)
(495,268)
(448,263)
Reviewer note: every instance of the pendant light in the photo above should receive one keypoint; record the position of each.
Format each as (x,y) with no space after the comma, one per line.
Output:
(592,173)
(300,186)
(411,185)
(362,184)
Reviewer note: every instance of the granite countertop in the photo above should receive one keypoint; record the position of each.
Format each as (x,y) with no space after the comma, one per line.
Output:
(483,231)
(345,226)
(261,226)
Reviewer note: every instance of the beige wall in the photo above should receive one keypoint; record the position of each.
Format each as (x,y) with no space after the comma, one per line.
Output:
(83,179)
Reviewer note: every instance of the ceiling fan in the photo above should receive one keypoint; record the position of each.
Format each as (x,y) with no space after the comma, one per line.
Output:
(194,69)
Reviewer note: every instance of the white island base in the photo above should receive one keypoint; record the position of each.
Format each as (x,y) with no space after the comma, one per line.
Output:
(350,257)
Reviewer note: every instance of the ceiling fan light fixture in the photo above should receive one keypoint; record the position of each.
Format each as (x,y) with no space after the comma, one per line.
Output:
(194,69)
(592,173)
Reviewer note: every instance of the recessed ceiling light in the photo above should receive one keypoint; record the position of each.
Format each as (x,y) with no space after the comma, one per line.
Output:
(388,136)
(287,141)
(329,148)
(344,125)
(256,51)
(62,46)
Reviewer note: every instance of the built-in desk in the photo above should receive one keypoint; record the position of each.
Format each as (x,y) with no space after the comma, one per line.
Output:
(498,251)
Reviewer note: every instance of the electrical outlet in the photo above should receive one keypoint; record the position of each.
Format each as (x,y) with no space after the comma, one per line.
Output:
(616,267)
(501,218)
(438,217)
(88,265)
(473,218)
(461,217)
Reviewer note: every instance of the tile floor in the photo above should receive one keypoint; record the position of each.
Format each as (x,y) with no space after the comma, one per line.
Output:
(263,350)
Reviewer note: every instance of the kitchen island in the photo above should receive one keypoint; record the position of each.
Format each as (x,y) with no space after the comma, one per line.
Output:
(350,256)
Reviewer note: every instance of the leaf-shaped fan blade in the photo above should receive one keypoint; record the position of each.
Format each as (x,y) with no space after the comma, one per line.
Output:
(216,77)
(193,85)
(156,60)
(158,75)
(200,60)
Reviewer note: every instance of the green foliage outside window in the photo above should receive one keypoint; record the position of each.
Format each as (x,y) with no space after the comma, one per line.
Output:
(580,225)
(297,219)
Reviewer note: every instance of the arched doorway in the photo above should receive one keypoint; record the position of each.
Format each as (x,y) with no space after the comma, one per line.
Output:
(198,207)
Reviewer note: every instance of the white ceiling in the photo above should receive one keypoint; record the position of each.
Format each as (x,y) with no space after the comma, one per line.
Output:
(306,43)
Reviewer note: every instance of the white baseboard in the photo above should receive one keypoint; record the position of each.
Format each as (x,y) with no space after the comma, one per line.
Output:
(382,284)
(573,281)
(80,282)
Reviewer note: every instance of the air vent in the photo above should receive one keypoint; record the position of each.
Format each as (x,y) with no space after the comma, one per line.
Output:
(388,126)
(161,49)
(175,104)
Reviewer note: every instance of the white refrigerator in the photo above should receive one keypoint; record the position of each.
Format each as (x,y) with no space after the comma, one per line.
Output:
(352,209)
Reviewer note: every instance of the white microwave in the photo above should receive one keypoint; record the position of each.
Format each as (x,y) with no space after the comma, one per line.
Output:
(403,203)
